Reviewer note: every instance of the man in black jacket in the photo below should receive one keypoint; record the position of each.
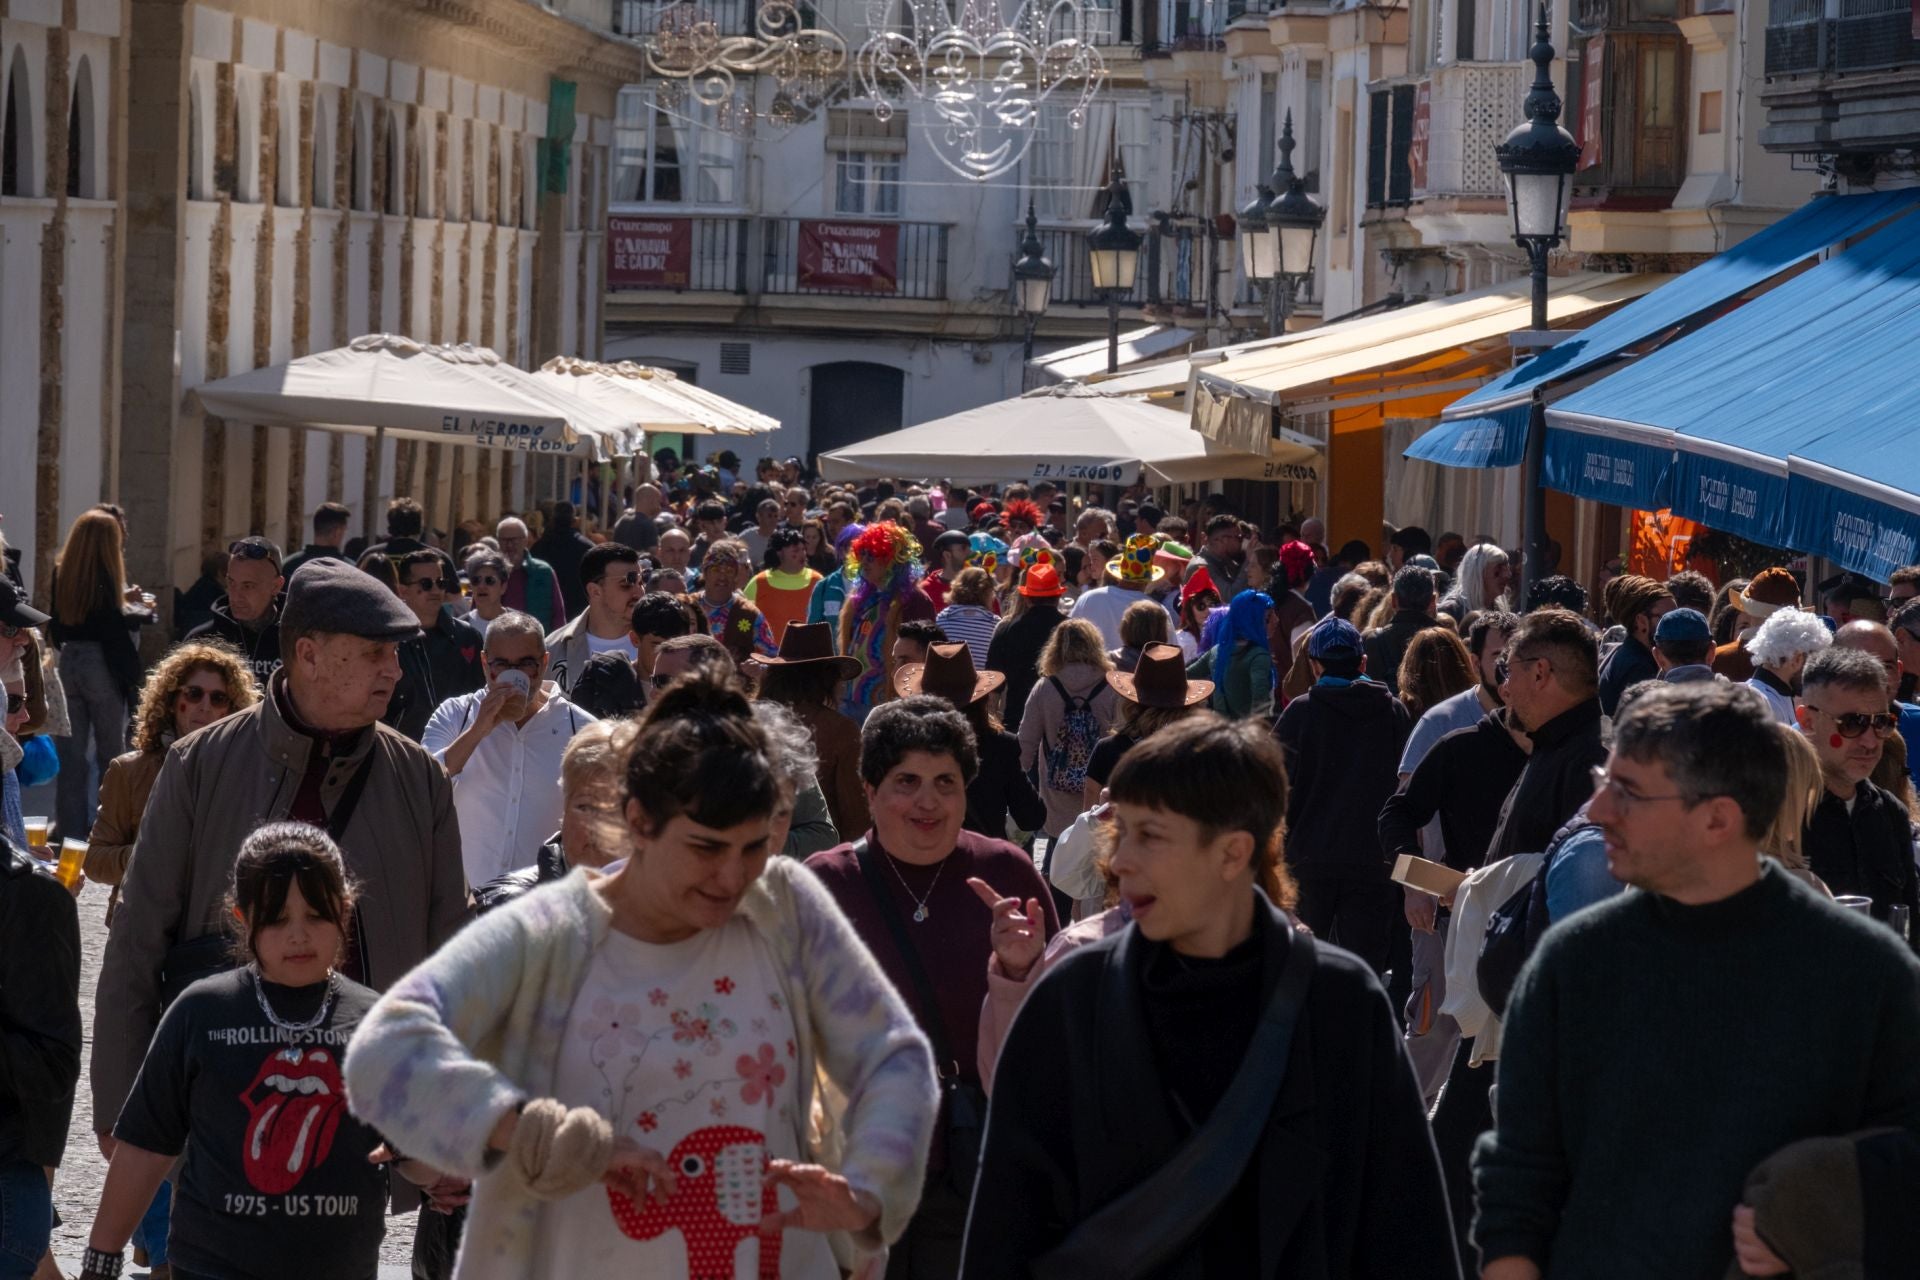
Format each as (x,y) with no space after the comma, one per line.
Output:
(1548,679)
(247,617)
(1342,740)
(39,1045)
(1858,839)
(330,521)
(406,520)
(563,547)
(1414,606)
(443,661)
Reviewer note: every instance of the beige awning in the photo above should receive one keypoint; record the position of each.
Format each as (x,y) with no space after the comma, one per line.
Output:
(1446,343)
(652,399)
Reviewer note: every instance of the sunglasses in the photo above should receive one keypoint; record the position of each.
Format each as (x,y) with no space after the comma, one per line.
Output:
(429,584)
(16,703)
(629,579)
(1855,723)
(252,549)
(10,632)
(1503,665)
(487,580)
(195,695)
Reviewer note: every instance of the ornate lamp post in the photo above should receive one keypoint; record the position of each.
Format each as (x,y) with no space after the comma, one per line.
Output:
(1113,255)
(1032,282)
(1538,159)
(1293,224)
(1257,249)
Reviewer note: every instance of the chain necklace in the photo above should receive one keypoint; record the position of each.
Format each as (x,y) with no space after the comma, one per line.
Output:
(920,902)
(326,1003)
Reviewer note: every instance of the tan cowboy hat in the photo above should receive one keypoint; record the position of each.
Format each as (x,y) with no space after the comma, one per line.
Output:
(806,643)
(1160,680)
(947,673)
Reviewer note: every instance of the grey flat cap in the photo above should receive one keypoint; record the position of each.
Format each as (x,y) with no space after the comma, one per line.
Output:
(334,596)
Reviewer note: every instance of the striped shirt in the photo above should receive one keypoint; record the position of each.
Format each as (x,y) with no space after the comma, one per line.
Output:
(971,624)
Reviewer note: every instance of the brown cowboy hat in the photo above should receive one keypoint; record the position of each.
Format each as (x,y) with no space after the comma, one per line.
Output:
(947,673)
(1160,680)
(1770,591)
(809,642)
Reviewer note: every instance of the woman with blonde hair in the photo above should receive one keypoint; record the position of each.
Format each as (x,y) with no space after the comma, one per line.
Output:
(195,684)
(1070,709)
(1785,841)
(95,617)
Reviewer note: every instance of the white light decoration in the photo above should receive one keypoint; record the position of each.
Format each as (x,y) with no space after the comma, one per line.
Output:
(980,78)
(693,60)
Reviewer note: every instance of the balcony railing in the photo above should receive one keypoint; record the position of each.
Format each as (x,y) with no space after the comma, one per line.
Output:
(1066,248)
(1472,106)
(642,18)
(710,254)
(1810,36)
(1184,25)
(857,258)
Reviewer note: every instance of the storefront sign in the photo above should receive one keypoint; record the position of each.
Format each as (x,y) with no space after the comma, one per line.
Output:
(649,253)
(1593,89)
(856,257)
(1422,127)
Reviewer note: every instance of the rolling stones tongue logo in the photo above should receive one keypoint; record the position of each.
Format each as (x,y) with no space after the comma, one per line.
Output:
(295,1103)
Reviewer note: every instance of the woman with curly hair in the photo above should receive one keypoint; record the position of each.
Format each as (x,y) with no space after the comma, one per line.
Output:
(881,595)
(192,686)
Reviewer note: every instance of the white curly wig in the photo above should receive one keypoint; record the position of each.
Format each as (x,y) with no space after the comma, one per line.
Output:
(1788,633)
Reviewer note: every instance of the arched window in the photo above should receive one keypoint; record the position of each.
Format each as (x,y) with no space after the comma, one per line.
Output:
(17,176)
(360,160)
(286,163)
(246,142)
(197,149)
(322,152)
(395,193)
(82,146)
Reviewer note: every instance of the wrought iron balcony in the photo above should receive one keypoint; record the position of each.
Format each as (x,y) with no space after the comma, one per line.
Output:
(855,257)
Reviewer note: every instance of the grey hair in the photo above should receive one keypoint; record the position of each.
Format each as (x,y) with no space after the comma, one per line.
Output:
(1846,669)
(1349,582)
(790,743)
(515,623)
(1785,635)
(512,520)
(486,558)
(920,507)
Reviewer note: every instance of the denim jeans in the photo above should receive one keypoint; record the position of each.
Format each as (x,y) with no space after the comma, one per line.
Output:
(151,1234)
(97,711)
(26,1218)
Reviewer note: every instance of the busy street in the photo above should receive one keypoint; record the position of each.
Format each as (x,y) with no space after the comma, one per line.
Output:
(1379,542)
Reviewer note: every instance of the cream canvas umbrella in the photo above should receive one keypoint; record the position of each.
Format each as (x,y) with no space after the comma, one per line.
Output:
(727,417)
(384,383)
(1068,432)
(647,399)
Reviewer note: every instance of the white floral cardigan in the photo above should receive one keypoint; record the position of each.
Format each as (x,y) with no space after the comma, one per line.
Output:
(477,1028)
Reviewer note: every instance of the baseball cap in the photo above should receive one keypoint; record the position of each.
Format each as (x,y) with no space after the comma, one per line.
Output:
(14,609)
(1679,626)
(1334,637)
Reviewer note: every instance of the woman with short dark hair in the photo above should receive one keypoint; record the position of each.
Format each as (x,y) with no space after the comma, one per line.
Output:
(1272,1126)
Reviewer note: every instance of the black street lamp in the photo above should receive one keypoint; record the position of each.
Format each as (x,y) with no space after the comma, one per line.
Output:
(1293,224)
(1032,282)
(1538,159)
(1113,257)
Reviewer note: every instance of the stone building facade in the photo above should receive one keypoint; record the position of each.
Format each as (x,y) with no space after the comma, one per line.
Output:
(195,189)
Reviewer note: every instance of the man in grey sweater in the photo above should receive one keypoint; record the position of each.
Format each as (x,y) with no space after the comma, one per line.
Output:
(1663,1043)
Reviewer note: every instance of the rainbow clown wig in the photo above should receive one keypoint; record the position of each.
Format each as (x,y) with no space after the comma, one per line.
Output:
(883,543)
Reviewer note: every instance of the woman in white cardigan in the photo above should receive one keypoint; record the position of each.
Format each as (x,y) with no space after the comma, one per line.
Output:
(681,1029)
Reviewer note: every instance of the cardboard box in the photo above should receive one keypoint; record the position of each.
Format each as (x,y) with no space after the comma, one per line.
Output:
(1435,878)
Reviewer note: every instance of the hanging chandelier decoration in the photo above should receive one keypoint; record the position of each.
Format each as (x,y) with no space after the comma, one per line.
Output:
(980,80)
(703,70)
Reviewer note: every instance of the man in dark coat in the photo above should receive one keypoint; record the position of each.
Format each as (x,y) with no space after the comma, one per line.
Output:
(444,660)
(563,547)
(1414,606)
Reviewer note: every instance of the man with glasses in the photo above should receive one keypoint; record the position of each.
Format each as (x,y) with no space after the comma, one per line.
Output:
(1883,642)
(531,586)
(1548,677)
(611,684)
(1858,839)
(1641,1077)
(611,574)
(247,617)
(444,659)
(502,745)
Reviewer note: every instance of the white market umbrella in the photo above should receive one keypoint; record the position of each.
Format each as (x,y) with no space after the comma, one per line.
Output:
(651,399)
(1067,432)
(454,394)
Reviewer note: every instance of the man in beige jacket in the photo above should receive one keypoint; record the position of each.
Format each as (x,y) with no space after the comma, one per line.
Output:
(312,750)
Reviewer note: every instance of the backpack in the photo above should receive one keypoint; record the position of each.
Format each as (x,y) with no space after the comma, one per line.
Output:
(1067,759)
(1515,929)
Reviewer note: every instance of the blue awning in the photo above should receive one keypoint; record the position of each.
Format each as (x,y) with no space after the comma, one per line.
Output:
(1793,420)
(1723,277)
(1626,468)
(1494,440)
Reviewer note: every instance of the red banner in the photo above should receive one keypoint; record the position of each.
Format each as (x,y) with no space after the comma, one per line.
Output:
(1593,86)
(861,257)
(649,253)
(1422,130)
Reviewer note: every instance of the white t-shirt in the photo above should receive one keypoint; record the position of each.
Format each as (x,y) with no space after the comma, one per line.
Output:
(1103,607)
(621,644)
(688,1049)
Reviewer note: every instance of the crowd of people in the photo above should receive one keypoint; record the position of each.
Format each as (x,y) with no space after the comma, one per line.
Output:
(585,892)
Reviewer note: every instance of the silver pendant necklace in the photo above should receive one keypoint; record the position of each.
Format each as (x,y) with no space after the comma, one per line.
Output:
(919,903)
(326,1003)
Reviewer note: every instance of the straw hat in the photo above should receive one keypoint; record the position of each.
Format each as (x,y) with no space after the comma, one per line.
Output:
(1160,680)
(809,642)
(947,673)
(1135,566)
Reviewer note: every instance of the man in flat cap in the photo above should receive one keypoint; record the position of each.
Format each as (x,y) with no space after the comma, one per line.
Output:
(312,750)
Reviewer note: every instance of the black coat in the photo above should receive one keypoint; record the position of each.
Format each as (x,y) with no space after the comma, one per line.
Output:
(1868,852)
(258,647)
(1387,645)
(564,547)
(1014,652)
(1002,788)
(39,1010)
(1348,1184)
(443,662)
(1558,779)
(1342,745)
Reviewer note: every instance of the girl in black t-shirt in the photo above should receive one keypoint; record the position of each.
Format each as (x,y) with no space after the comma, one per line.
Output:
(244,1074)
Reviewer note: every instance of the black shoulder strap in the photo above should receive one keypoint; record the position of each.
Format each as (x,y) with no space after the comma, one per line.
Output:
(350,798)
(1140,1231)
(936,1026)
